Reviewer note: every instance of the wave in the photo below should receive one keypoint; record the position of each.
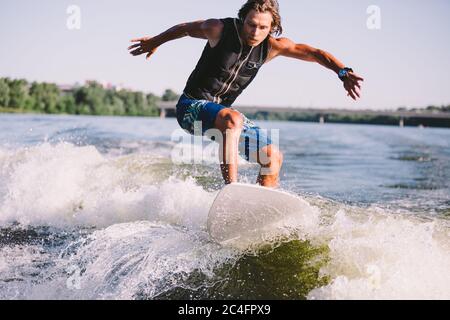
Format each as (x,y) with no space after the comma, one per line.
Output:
(79,224)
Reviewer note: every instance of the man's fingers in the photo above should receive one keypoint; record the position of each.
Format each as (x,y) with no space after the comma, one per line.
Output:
(351,94)
(354,84)
(356,77)
(355,92)
(351,86)
(138,39)
(134,46)
(137,52)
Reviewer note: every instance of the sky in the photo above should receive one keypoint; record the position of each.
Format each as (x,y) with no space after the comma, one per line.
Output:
(404,59)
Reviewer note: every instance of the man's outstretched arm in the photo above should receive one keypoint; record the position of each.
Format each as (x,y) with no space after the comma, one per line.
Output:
(287,48)
(210,30)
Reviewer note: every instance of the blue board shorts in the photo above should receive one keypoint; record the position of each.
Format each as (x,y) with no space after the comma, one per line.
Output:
(189,111)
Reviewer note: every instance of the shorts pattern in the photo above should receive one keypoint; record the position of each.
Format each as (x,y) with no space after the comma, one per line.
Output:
(191,112)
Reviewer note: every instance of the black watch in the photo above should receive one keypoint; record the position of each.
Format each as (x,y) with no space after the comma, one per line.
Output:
(343,73)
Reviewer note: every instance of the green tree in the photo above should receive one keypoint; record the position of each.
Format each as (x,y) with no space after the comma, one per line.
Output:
(152,102)
(141,103)
(18,93)
(170,95)
(128,99)
(46,97)
(114,104)
(4,93)
(66,104)
(83,109)
(118,106)
(91,99)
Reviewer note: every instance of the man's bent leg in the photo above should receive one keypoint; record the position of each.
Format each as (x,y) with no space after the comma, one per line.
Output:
(230,123)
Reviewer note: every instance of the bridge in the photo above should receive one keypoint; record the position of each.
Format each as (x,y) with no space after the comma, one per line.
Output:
(402,116)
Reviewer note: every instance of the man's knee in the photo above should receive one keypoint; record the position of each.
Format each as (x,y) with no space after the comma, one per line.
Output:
(228,119)
(271,156)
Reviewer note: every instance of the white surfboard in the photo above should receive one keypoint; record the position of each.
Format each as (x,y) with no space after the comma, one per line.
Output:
(243,213)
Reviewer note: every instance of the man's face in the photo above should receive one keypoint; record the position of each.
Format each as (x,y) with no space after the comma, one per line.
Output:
(257,26)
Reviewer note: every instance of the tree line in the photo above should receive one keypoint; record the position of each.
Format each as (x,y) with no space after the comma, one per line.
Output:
(357,118)
(18,95)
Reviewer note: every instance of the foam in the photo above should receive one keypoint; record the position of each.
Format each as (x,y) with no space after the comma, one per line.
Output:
(384,256)
(123,261)
(150,232)
(64,185)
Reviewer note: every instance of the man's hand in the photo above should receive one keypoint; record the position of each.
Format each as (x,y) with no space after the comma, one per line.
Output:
(210,29)
(351,82)
(146,45)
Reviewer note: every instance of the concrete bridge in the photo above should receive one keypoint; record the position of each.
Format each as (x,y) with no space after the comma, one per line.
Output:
(166,107)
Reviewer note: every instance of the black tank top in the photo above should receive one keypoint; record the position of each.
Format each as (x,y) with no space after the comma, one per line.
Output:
(224,71)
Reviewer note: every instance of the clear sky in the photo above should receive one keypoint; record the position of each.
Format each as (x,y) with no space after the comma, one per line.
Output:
(405,62)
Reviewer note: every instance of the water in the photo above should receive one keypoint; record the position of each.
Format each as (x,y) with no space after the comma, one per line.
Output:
(94,208)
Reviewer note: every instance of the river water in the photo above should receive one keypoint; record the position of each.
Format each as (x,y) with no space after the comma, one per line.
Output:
(97,208)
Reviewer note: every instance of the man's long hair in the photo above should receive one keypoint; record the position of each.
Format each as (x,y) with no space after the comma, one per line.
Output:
(264,6)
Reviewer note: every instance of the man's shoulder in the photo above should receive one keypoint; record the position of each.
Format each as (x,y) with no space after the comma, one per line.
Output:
(228,20)
(278,45)
(213,27)
(279,42)
(223,22)
(214,30)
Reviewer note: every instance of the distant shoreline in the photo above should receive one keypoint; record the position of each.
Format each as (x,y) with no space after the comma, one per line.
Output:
(18,96)
(383,121)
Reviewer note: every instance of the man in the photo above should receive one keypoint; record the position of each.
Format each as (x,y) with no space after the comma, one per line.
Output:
(235,51)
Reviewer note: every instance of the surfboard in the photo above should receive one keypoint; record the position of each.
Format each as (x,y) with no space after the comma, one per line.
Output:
(244,213)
